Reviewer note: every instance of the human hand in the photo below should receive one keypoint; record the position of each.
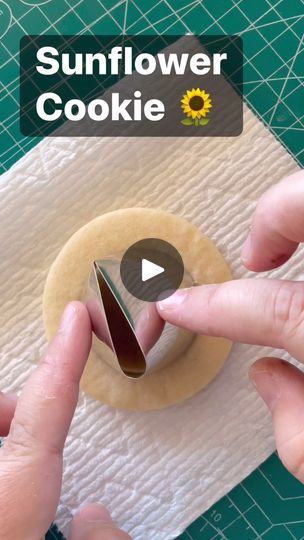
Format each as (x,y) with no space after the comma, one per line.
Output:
(262,312)
(37,426)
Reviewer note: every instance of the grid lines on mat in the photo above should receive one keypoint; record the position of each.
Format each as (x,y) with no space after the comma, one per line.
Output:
(268,505)
(273,51)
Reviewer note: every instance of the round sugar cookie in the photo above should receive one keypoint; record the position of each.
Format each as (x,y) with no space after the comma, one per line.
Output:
(67,280)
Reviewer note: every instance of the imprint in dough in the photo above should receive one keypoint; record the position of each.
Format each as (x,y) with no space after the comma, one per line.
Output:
(67,281)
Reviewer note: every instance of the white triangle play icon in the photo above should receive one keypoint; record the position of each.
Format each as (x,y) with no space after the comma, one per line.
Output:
(150,269)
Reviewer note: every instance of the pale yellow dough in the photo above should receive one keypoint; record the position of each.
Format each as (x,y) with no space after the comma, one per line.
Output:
(67,280)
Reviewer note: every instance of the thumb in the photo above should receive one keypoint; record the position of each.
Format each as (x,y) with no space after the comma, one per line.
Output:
(94,522)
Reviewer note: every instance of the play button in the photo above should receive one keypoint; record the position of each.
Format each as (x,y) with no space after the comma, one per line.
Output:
(151,269)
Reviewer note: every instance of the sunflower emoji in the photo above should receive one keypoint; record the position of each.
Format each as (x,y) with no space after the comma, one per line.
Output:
(196,104)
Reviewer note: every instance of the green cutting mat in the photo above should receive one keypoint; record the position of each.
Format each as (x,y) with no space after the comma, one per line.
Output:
(273,44)
(269,504)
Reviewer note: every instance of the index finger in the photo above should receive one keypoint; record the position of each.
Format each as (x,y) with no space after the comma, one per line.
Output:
(257,311)
(278,225)
(47,403)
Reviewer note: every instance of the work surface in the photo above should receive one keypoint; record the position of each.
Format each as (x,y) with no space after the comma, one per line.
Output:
(268,504)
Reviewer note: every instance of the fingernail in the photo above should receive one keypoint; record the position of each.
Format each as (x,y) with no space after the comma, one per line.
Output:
(90,521)
(67,317)
(266,385)
(246,250)
(96,513)
(173,301)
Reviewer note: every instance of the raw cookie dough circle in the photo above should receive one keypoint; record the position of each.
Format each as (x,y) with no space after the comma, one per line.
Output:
(67,280)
